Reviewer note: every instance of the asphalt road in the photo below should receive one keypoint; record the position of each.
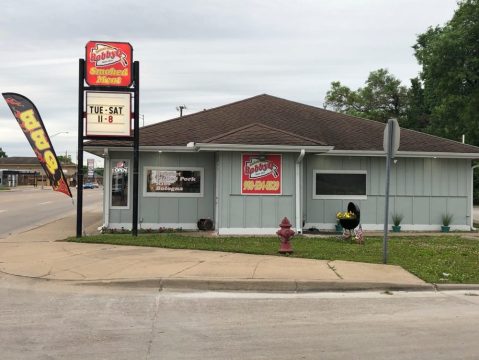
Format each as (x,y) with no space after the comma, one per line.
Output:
(23,209)
(50,320)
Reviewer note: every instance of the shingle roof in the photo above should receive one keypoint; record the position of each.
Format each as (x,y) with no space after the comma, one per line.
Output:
(19,160)
(282,122)
(260,134)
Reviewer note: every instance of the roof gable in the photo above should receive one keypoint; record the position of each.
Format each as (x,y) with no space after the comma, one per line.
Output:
(260,134)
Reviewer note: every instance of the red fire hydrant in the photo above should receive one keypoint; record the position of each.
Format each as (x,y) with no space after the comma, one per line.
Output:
(285,234)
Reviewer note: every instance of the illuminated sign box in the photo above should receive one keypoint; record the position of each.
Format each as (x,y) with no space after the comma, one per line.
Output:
(108,114)
(108,63)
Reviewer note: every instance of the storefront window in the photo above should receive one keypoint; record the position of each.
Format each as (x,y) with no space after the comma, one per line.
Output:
(339,184)
(119,183)
(176,182)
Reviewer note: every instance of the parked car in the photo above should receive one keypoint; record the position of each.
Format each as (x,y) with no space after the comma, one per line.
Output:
(88,186)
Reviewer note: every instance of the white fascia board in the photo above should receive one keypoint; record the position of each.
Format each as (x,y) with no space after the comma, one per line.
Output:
(246,147)
(404,154)
(96,149)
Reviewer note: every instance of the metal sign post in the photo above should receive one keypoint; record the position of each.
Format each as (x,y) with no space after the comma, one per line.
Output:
(109,71)
(391,145)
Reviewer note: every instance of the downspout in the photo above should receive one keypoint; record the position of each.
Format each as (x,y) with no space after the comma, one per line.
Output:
(472,196)
(299,226)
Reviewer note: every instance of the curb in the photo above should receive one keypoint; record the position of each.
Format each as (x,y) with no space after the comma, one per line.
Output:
(254,285)
(449,287)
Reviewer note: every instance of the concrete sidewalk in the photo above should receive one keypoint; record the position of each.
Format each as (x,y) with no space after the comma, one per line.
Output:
(37,254)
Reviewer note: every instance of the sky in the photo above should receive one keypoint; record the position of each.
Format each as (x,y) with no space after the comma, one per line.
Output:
(203,54)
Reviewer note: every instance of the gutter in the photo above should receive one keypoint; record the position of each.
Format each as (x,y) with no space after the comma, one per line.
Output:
(299,160)
(404,154)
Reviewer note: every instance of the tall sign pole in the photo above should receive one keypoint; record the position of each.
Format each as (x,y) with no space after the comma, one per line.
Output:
(136,147)
(112,77)
(391,145)
(81,92)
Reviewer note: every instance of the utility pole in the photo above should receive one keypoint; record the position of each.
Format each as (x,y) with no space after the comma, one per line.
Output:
(180,109)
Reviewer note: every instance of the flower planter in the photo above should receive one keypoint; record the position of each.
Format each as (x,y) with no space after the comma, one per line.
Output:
(396,228)
(445,228)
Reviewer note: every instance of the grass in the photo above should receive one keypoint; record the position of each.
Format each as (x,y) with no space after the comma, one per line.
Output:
(4,188)
(441,259)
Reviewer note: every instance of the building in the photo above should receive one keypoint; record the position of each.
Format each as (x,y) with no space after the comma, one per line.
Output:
(19,170)
(248,164)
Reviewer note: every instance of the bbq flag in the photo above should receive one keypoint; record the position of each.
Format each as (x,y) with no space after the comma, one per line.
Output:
(31,123)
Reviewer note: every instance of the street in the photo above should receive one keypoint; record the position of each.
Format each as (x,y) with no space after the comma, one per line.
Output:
(45,320)
(23,209)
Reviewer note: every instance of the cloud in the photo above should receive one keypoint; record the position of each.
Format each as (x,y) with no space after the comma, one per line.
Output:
(204,53)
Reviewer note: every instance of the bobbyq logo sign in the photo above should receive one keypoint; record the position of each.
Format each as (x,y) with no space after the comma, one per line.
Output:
(108,63)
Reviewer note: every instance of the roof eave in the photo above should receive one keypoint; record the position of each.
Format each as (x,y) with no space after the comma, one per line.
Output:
(248,147)
(406,154)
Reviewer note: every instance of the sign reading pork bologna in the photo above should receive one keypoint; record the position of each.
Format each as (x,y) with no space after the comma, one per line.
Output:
(108,63)
(31,123)
(261,174)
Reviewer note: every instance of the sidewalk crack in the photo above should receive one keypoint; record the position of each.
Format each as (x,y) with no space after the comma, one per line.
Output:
(187,268)
(333,269)
(154,320)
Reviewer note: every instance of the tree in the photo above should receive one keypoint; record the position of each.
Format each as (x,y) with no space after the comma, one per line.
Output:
(65,159)
(449,57)
(383,97)
(3,154)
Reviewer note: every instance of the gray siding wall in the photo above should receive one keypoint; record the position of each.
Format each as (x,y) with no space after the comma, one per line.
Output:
(422,189)
(171,210)
(253,211)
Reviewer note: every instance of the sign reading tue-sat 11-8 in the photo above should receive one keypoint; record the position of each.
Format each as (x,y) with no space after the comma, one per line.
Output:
(108,114)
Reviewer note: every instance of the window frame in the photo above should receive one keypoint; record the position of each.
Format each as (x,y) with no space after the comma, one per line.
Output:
(115,207)
(336,197)
(173,194)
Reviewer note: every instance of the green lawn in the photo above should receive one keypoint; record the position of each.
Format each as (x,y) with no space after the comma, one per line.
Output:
(430,258)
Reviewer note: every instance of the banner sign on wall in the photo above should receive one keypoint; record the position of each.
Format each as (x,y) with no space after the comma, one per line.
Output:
(261,174)
(108,63)
(31,123)
(186,181)
(108,114)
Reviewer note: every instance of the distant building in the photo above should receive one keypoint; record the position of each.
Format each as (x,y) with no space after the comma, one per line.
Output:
(22,170)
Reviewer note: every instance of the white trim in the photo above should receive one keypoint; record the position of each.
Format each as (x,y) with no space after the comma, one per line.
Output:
(174,194)
(156,226)
(248,231)
(112,161)
(340,197)
(260,148)
(405,154)
(380,227)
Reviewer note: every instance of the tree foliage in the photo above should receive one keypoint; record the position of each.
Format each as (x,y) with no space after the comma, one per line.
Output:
(449,57)
(383,97)
(3,154)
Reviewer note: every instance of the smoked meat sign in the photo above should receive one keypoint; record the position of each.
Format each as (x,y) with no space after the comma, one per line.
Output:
(261,174)
(108,63)
(31,123)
